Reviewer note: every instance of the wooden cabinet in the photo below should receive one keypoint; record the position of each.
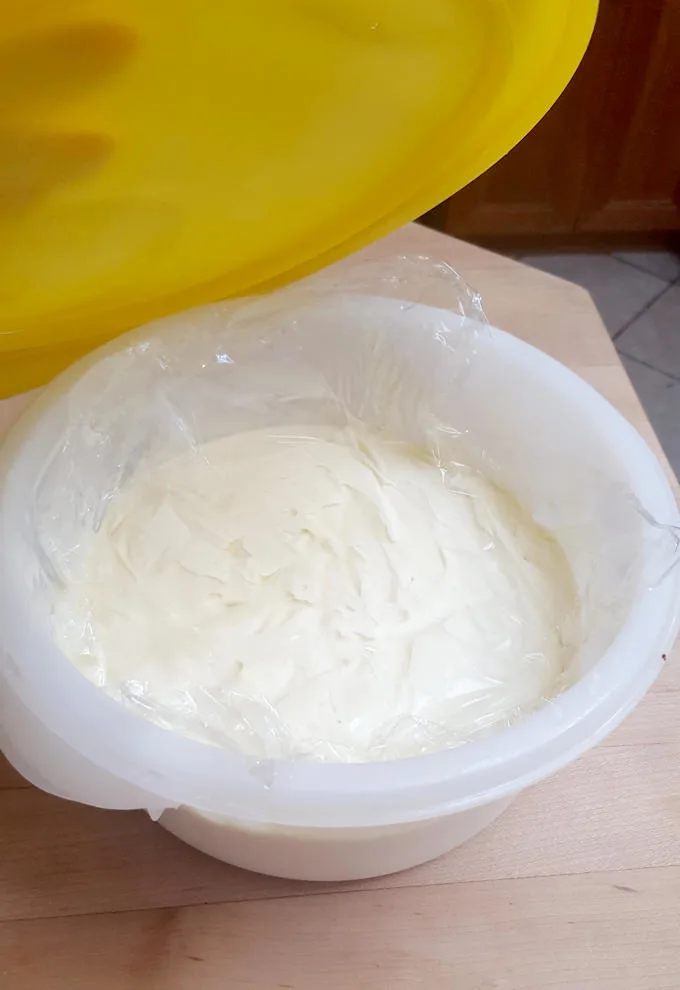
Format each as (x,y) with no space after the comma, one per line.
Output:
(606,159)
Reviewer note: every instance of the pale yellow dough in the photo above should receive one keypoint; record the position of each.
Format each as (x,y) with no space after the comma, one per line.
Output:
(319,592)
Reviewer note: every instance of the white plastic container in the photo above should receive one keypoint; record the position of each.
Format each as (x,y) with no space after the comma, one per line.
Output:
(351,853)
(567,454)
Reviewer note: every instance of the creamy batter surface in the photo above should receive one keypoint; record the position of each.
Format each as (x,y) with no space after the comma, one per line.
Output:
(320,592)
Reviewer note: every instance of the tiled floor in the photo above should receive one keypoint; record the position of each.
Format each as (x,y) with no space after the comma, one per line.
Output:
(638,296)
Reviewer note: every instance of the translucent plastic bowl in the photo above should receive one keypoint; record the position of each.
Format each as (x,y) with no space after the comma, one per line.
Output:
(567,454)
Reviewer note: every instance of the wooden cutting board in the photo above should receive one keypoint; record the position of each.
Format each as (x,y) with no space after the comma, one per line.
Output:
(577,886)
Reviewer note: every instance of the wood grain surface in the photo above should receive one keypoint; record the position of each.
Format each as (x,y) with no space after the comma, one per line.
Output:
(575,887)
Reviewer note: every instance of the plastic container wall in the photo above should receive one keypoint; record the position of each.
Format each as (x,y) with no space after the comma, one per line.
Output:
(572,459)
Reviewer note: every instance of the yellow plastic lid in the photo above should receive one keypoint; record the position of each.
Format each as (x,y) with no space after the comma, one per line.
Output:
(155,155)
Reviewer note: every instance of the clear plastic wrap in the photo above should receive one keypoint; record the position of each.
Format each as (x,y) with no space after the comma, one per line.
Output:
(267,545)
(397,352)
